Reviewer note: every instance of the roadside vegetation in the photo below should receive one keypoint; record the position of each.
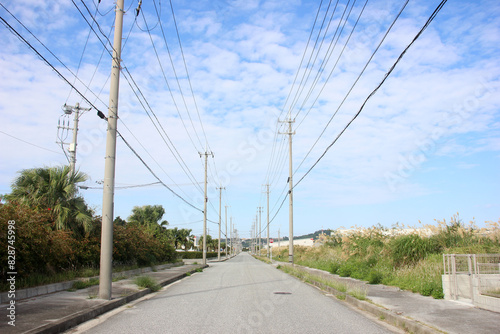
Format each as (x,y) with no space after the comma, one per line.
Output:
(147,282)
(58,236)
(411,262)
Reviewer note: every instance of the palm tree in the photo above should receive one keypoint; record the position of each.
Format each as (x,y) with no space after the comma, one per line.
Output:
(54,189)
(180,237)
(148,216)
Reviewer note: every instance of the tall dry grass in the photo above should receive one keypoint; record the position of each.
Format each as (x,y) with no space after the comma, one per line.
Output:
(411,261)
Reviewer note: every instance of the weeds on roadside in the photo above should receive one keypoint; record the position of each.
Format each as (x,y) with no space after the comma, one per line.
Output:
(147,283)
(354,291)
(77,285)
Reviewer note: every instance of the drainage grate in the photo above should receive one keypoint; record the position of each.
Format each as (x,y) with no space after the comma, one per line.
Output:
(282,293)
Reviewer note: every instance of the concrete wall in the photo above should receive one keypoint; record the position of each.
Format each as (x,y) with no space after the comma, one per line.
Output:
(468,288)
(296,242)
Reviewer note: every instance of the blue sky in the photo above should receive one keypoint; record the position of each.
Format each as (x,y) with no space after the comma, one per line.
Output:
(426,146)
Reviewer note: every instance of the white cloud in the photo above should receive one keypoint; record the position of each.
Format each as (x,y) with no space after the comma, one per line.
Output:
(440,102)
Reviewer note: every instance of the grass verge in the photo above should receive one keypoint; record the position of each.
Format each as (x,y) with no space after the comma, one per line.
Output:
(341,287)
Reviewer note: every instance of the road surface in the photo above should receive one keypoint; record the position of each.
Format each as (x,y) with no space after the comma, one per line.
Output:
(241,295)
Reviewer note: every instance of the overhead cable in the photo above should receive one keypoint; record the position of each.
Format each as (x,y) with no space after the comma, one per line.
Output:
(153,173)
(431,18)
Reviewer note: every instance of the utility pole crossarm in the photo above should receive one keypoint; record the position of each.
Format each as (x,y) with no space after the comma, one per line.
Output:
(68,110)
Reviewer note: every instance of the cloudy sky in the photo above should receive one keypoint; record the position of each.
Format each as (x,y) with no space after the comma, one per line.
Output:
(425,146)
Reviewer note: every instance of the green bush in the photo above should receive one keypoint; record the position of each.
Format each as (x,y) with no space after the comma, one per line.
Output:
(85,284)
(375,277)
(42,251)
(198,255)
(147,283)
(334,267)
(346,269)
(437,293)
(410,249)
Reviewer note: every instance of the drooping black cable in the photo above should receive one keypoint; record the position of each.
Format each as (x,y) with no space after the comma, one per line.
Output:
(18,35)
(352,86)
(431,18)
(153,173)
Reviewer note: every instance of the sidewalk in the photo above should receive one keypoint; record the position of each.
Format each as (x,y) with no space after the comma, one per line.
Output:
(416,313)
(59,311)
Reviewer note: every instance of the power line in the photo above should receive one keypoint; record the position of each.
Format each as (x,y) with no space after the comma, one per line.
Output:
(122,187)
(159,165)
(187,74)
(83,53)
(24,141)
(352,86)
(273,150)
(18,35)
(328,55)
(153,173)
(166,80)
(137,91)
(431,18)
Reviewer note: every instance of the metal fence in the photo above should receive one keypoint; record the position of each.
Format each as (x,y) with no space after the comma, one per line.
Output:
(472,273)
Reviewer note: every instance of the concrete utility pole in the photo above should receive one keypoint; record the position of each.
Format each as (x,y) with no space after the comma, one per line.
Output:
(220,217)
(257,232)
(260,229)
(279,242)
(290,191)
(231,236)
(267,192)
(226,231)
(206,154)
(68,110)
(109,166)
(255,236)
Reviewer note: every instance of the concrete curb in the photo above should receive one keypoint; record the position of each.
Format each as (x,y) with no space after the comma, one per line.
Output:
(389,316)
(75,319)
(62,286)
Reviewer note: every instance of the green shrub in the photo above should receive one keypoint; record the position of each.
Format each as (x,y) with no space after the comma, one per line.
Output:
(426,289)
(334,267)
(147,282)
(437,293)
(85,284)
(197,255)
(410,249)
(345,270)
(375,277)
(46,255)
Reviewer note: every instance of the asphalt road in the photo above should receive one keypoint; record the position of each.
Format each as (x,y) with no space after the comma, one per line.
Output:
(242,295)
